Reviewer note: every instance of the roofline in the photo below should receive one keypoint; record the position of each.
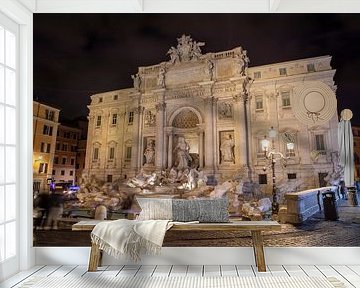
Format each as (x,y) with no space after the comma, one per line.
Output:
(292,61)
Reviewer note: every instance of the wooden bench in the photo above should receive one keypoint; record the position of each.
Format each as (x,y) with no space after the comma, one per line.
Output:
(255,227)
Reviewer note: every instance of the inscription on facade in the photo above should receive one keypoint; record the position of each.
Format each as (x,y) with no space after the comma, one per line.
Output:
(188,93)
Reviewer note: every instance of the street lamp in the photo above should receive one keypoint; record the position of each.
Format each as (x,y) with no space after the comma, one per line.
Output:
(272,156)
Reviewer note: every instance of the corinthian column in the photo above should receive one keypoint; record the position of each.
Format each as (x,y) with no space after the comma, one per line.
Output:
(209,135)
(159,142)
(240,131)
(136,147)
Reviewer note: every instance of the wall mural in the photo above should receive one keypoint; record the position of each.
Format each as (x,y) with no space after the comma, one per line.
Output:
(200,118)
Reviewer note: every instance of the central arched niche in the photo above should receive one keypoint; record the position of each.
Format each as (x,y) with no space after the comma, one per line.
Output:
(185,124)
(185,119)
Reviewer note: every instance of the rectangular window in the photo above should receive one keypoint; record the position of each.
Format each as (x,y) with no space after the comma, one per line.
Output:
(111,153)
(77,166)
(131,118)
(285,99)
(48,147)
(282,72)
(56,160)
(72,161)
(290,150)
(49,114)
(62,172)
(262,178)
(71,173)
(43,167)
(74,136)
(311,67)
(47,130)
(257,75)
(320,142)
(64,147)
(100,99)
(291,176)
(109,178)
(114,119)
(63,161)
(96,154)
(42,148)
(73,148)
(259,103)
(115,97)
(57,146)
(53,173)
(128,153)
(98,121)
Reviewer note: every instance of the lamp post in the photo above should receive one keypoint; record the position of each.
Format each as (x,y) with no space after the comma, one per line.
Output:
(272,156)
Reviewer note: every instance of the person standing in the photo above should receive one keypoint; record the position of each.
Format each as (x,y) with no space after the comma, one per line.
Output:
(41,206)
(56,202)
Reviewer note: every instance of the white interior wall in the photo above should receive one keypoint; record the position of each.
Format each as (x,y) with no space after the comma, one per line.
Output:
(21,10)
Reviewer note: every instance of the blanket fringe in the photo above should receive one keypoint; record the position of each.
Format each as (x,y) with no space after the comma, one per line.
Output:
(133,248)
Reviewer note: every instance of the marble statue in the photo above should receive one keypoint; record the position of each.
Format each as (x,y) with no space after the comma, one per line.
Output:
(227,149)
(186,50)
(243,63)
(209,70)
(174,55)
(246,62)
(196,50)
(150,153)
(182,154)
(161,78)
(137,81)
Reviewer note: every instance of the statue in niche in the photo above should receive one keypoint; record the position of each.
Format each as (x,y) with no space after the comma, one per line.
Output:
(209,70)
(150,119)
(161,77)
(137,81)
(181,151)
(174,55)
(227,149)
(225,111)
(150,153)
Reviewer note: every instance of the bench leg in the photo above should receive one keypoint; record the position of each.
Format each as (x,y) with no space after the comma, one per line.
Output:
(258,246)
(94,258)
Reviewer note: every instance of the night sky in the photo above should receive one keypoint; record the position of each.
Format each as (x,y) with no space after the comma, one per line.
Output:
(77,55)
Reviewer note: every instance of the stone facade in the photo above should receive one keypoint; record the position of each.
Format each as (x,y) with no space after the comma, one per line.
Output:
(67,142)
(220,109)
(45,126)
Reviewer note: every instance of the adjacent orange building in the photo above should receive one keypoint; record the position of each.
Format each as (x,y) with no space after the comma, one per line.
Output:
(45,126)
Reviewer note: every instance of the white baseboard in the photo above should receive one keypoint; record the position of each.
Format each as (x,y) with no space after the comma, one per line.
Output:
(209,256)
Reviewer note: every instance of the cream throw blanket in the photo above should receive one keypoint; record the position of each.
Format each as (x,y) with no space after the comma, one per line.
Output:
(129,237)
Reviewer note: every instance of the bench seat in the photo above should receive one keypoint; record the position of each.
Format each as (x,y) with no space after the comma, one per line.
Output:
(255,227)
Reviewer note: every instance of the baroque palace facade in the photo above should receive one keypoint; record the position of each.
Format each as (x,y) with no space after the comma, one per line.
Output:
(216,109)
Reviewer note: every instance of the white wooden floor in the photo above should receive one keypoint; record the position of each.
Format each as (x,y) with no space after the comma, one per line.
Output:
(347,274)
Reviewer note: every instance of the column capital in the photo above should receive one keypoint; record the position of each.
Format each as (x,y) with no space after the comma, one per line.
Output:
(168,130)
(139,110)
(242,97)
(160,107)
(211,100)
